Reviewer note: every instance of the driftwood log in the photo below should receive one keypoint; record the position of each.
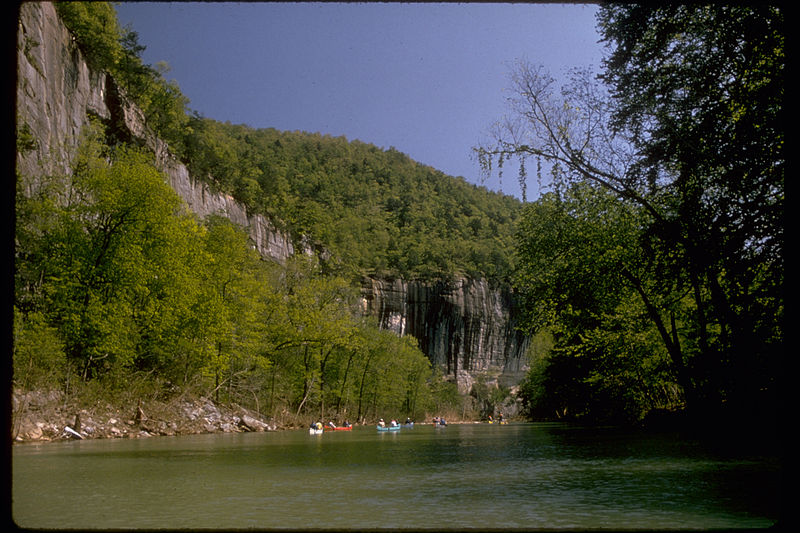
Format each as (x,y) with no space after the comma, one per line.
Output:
(248,423)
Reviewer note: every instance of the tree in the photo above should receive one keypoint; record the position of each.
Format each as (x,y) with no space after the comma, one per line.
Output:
(105,260)
(315,324)
(96,30)
(689,131)
(702,88)
(583,277)
(239,297)
(38,359)
(108,47)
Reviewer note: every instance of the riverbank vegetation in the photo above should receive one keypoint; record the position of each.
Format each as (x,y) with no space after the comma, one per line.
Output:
(655,266)
(116,284)
(651,274)
(116,281)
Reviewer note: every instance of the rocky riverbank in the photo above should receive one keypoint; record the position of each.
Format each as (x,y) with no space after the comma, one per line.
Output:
(45,416)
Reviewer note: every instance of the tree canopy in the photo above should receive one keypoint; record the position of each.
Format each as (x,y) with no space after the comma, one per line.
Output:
(375,210)
(683,130)
(116,282)
(116,279)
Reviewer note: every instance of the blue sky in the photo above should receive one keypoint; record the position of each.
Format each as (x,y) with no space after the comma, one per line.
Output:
(427,79)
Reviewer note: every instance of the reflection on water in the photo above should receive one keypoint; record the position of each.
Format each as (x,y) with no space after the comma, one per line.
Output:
(464,476)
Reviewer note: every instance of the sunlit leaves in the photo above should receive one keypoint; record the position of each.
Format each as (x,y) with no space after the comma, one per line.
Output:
(375,210)
(582,277)
(95,27)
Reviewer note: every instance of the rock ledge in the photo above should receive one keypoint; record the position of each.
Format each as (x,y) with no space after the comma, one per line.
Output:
(41,416)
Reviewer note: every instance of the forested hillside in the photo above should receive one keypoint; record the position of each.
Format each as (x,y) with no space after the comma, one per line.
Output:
(376,210)
(122,295)
(651,273)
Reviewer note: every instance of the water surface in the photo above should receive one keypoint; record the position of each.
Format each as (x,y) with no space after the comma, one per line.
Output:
(516,476)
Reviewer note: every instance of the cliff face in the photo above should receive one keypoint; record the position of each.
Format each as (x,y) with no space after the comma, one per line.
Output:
(57,92)
(465,327)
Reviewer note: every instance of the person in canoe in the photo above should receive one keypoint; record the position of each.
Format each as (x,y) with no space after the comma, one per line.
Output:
(381,423)
(393,423)
(332,425)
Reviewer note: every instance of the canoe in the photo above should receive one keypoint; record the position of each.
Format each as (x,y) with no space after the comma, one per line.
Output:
(342,428)
(409,425)
(389,428)
(314,431)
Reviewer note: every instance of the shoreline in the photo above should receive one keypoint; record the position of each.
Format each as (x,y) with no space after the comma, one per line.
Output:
(39,417)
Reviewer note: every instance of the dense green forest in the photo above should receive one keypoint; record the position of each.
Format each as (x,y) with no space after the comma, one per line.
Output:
(651,274)
(376,210)
(120,289)
(116,285)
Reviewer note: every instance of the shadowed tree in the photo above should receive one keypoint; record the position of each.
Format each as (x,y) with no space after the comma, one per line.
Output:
(687,128)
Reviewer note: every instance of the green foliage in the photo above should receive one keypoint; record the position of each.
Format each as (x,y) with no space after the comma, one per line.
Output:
(39,358)
(580,266)
(377,211)
(96,30)
(488,399)
(100,256)
(657,262)
(25,139)
(706,83)
(328,362)
(108,47)
(116,281)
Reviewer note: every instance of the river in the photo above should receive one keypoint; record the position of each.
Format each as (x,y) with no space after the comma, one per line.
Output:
(515,476)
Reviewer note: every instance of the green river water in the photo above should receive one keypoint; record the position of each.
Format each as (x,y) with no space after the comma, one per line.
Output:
(466,476)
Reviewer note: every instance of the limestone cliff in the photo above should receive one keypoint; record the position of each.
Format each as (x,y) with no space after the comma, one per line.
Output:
(464,326)
(57,92)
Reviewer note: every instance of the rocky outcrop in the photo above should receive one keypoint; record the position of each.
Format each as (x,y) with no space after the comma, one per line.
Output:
(45,416)
(464,326)
(57,92)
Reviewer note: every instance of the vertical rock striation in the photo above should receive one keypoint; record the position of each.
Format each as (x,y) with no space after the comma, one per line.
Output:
(464,326)
(57,92)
